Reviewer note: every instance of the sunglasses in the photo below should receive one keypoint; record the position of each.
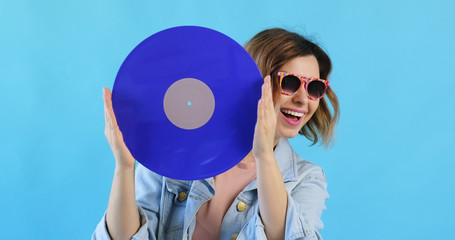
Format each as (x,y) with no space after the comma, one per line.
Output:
(290,84)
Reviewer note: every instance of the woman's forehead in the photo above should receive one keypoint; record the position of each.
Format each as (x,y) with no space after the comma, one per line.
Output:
(303,65)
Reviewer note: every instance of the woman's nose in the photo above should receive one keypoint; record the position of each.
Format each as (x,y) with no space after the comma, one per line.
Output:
(300,96)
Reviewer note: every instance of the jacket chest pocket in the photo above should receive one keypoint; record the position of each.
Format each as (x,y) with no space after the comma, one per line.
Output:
(173,210)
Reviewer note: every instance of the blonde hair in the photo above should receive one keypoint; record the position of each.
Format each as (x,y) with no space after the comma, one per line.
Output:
(271,49)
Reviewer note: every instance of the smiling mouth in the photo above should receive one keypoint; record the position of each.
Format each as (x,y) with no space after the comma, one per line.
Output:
(291,115)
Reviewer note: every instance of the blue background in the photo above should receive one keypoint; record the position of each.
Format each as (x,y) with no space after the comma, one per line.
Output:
(390,171)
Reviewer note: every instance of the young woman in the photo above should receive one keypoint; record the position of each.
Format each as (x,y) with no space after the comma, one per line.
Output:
(271,194)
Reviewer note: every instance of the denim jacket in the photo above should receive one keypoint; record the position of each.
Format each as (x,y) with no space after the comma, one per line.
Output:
(168,207)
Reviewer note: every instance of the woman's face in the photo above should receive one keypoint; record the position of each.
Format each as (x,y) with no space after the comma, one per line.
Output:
(288,126)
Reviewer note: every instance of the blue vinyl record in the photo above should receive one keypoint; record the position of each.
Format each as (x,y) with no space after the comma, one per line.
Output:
(185,100)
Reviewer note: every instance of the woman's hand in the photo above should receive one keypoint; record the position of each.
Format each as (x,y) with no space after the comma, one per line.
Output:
(271,190)
(122,155)
(264,132)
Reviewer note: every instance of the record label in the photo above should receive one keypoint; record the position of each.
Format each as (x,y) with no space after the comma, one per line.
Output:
(189,103)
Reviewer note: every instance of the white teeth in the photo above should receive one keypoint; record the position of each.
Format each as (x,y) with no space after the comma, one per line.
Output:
(296,114)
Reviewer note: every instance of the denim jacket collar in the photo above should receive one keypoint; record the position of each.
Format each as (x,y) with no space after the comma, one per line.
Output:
(286,160)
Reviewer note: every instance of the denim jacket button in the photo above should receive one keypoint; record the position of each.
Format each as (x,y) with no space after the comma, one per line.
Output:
(241,206)
(182,196)
(234,236)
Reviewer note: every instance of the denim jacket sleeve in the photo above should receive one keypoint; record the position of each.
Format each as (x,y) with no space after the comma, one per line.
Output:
(306,201)
(148,195)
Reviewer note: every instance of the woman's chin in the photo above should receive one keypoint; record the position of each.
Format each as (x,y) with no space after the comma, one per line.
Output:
(288,133)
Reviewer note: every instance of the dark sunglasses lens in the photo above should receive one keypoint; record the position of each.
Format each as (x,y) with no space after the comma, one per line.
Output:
(290,84)
(316,89)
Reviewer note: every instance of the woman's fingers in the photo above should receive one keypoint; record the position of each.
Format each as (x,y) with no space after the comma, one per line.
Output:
(266,122)
(259,110)
(264,102)
(107,117)
(270,92)
(266,114)
(106,111)
(267,101)
(111,121)
(267,89)
(113,134)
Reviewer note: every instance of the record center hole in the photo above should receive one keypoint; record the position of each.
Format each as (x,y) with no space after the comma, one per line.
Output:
(188,103)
